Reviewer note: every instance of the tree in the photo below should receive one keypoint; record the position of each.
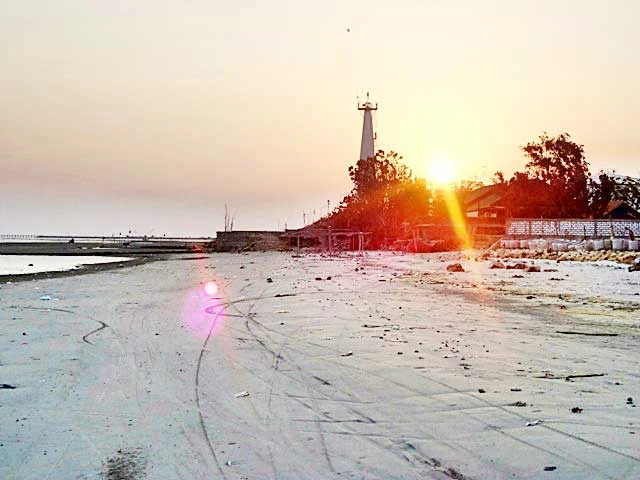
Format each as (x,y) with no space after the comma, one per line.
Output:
(554,183)
(612,187)
(384,198)
(378,174)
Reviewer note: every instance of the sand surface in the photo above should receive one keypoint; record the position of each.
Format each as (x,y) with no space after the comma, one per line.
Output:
(400,370)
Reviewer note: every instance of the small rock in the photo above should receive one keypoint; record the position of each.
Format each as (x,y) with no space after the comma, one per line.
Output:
(549,468)
(481,390)
(346,354)
(455,267)
(328,278)
(497,265)
(576,410)
(519,404)
(533,268)
(269,280)
(629,400)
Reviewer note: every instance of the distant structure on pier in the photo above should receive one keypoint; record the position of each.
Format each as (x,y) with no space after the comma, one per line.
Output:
(367,147)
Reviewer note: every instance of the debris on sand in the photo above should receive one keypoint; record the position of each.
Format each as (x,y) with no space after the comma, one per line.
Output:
(455,267)
(550,468)
(125,464)
(45,298)
(346,354)
(519,403)
(534,423)
(589,334)
(269,280)
(576,410)
(517,266)
(497,264)
(244,393)
(533,268)
(7,386)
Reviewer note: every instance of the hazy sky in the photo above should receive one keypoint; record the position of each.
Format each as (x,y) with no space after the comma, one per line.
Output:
(151,114)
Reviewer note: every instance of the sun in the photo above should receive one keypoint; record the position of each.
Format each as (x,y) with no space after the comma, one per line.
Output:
(442,171)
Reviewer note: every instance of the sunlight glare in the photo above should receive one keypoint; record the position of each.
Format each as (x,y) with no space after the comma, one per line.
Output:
(442,170)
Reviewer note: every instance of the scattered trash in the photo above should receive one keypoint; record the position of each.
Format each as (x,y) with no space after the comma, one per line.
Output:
(629,401)
(518,404)
(395,327)
(269,280)
(482,390)
(530,297)
(281,311)
(318,278)
(534,423)
(346,354)
(45,298)
(7,386)
(244,393)
(550,468)
(228,463)
(328,278)
(455,267)
(576,410)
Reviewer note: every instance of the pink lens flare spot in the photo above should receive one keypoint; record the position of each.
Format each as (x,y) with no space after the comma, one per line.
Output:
(202,313)
(210,288)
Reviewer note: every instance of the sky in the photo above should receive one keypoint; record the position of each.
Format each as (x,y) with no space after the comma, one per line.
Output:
(152,115)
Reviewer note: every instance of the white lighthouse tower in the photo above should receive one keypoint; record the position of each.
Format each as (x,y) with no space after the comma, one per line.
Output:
(367,147)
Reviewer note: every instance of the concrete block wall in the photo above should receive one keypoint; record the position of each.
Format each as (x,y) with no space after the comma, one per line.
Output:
(571,228)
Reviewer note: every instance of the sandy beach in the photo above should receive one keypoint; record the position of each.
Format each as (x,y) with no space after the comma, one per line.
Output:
(377,367)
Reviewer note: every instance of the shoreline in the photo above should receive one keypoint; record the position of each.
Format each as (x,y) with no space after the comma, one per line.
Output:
(83,269)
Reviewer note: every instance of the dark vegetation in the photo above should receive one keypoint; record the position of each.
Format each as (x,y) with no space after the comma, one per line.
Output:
(555,183)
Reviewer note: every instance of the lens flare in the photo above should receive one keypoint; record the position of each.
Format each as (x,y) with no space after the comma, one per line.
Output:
(203,311)
(210,288)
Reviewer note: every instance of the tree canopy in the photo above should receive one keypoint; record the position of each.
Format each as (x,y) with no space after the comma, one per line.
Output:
(384,199)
